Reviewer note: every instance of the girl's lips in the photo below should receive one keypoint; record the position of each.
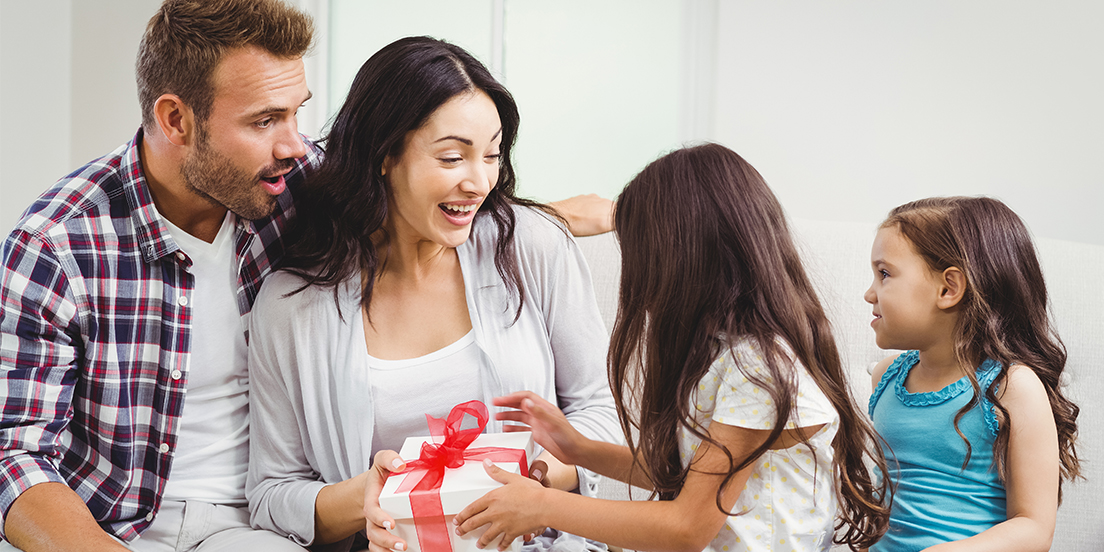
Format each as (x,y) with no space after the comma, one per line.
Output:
(274,186)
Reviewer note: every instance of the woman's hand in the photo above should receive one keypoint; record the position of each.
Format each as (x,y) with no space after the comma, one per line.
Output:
(378,523)
(550,427)
(511,511)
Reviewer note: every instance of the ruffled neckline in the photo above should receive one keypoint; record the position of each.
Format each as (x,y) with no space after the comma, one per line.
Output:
(899,370)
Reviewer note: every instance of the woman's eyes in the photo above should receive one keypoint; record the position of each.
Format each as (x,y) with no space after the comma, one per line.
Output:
(494,158)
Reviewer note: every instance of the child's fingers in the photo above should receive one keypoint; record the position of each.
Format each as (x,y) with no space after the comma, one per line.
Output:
(513,416)
(499,474)
(513,400)
(539,472)
(469,519)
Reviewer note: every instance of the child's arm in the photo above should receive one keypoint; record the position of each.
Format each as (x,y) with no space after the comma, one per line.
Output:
(687,523)
(1033,472)
(552,431)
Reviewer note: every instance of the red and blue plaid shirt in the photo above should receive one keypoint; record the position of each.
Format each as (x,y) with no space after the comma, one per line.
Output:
(95,330)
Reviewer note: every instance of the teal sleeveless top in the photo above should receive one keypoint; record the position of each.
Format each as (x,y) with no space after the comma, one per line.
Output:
(936,500)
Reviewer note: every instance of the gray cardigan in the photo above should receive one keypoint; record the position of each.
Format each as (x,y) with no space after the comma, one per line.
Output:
(310,398)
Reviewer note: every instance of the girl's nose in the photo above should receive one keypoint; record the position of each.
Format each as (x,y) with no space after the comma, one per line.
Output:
(869,296)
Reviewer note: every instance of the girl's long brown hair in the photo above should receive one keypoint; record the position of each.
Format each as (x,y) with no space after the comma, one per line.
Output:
(707,258)
(1004,313)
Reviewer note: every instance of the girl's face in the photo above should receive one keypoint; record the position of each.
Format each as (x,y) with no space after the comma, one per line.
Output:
(904,294)
(447,168)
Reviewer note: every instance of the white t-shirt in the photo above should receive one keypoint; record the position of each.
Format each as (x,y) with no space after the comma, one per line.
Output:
(400,396)
(212,453)
(789,499)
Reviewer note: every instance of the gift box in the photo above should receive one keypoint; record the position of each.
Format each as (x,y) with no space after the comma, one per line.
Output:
(444,474)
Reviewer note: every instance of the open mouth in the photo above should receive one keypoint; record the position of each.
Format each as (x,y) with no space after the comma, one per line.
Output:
(457,210)
(459,215)
(274,184)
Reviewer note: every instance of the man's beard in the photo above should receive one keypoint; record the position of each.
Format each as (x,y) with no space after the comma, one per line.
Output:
(213,177)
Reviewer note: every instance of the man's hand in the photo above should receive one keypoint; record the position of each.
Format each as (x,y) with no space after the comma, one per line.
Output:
(586,215)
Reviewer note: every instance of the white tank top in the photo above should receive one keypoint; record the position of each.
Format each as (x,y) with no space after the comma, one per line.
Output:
(404,391)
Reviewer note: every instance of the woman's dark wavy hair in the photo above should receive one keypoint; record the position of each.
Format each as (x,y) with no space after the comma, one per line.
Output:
(345,204)
(1004,312)
(707,259)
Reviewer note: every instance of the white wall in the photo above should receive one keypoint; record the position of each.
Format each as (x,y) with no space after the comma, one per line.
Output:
(34,101)
(848,108)
(588,77)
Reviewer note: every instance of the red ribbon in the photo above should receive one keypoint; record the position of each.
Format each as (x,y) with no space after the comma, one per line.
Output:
(428,471)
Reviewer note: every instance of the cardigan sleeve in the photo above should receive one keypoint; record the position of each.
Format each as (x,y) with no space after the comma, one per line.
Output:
(281,485)
(578,336)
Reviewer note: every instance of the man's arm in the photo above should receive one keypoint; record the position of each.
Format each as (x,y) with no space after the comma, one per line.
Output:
(49,517)
(586,215)
(36,354)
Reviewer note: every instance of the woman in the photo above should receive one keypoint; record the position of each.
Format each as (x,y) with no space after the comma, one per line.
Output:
(416,281)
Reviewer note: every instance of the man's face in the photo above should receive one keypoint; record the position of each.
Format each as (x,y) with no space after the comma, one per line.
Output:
(251,138)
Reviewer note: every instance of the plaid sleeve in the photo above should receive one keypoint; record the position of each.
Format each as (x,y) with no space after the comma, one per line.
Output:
(39,336)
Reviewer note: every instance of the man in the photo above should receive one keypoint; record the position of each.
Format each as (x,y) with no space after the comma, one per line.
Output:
(127,286)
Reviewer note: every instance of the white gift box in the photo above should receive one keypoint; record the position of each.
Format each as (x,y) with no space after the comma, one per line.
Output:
(460,487)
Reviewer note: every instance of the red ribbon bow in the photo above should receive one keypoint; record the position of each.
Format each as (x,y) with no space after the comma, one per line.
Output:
(451,452)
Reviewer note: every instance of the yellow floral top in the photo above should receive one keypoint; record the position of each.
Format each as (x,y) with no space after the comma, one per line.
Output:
(788,503)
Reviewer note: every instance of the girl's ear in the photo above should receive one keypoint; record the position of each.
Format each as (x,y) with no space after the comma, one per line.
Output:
(952,288)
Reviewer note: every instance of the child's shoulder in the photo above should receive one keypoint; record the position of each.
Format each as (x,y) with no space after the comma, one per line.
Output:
(1022,388)
(882,366)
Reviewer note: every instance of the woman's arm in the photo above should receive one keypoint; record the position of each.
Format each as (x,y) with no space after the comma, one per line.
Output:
(1033,472)
(687,523)
(281,484)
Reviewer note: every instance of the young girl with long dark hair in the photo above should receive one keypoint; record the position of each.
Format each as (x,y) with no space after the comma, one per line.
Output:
(973,413)
(724,362)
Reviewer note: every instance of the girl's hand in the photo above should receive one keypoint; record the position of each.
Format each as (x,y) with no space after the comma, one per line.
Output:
(378,523)
(550,427)
(510,511)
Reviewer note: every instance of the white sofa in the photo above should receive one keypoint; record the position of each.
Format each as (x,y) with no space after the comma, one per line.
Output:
(837,257)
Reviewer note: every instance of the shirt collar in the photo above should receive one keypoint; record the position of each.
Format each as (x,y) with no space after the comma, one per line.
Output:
(153,236)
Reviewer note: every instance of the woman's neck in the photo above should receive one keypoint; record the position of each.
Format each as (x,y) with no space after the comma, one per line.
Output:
(412,258)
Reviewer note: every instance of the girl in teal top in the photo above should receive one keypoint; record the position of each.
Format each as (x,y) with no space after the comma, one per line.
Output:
(978,435)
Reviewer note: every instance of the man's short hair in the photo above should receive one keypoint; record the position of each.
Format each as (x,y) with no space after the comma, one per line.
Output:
(186,39)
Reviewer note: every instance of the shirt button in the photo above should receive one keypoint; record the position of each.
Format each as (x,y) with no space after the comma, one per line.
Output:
(149,516)
(163,448)
(176,374)
(180,255)
(182,301)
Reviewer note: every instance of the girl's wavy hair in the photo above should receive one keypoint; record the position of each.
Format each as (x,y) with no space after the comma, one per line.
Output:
(707,259)
(1004,312)
(342,208)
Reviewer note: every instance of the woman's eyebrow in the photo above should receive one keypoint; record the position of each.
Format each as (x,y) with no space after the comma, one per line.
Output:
(464,140)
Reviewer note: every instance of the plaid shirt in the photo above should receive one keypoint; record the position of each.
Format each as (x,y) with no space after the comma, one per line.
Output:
(94,337)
